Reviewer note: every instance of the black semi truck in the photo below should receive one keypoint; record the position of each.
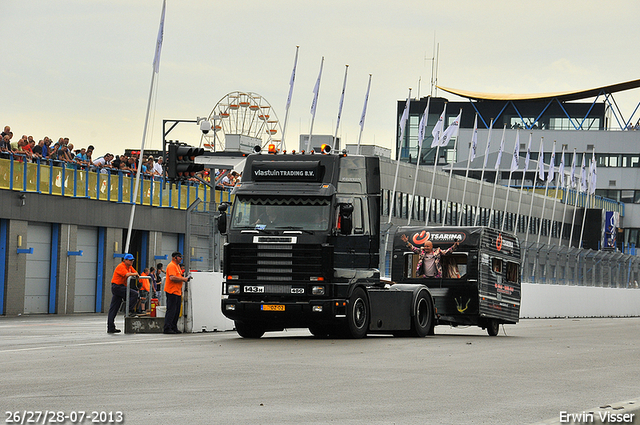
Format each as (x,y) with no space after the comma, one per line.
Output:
(302,251)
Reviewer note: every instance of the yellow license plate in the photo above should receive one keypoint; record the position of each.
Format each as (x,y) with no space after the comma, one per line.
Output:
(270,307)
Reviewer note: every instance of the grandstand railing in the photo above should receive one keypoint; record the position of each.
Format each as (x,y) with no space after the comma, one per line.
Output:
(75,181)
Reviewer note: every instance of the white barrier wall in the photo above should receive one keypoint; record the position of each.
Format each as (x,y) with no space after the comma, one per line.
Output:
(538,301)
(548,301)
(205,293)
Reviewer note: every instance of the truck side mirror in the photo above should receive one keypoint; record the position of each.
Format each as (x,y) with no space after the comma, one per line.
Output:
(346,222)
(222,218)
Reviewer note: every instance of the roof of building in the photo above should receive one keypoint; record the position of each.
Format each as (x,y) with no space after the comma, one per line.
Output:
(561,96)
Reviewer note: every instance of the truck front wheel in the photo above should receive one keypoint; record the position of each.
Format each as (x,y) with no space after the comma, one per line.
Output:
(249,330)
(422,323)
(358,314)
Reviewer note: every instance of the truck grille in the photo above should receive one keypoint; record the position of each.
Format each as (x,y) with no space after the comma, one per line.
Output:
(275,262)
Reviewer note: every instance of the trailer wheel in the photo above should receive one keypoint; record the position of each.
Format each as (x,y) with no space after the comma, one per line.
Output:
(357,314)
(422,321)
(249,330)
(493,327)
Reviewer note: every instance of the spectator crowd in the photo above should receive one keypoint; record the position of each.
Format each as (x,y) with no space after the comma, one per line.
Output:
(63,153)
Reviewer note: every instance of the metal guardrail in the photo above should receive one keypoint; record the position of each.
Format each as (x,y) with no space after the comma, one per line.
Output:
(543,263)
(562,265)
(70,180)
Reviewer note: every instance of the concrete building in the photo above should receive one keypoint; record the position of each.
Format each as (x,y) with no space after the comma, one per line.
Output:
(589,128)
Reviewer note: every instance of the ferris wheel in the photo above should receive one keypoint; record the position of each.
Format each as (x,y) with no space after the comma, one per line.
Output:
(242,114)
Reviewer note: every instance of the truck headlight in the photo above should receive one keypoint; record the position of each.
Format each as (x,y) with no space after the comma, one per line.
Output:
(317,290)
(233,289)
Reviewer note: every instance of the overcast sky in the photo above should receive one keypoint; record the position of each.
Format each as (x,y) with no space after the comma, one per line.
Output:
(82,68)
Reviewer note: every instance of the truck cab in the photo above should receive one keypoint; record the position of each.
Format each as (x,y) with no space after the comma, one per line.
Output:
(302,236)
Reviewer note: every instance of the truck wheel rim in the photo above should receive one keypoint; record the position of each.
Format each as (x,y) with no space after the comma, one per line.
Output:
(422,312)
(359,313)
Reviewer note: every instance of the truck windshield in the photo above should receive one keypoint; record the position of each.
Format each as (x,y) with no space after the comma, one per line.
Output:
(287,213)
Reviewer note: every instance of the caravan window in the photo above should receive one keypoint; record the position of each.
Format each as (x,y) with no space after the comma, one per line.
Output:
(496,265)
(513,272)
(454,266)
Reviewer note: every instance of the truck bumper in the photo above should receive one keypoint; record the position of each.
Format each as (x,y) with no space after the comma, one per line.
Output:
(279,315)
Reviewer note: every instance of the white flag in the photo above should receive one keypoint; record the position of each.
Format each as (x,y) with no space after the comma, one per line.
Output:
(156,58)
(552,164)
(592,188)
(516,153)
(528,157)
(561,167)
(541,162)
(423,124)
(364,108)
(572,180)
(316,90)
(583,175)
(437,129)
(451,131)
(344,86)
(486,150)
(474,140)
(405,116)
(499,158)
(293,79)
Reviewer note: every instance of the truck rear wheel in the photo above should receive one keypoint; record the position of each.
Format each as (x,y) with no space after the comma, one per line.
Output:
(358,314)
(422,320)
(249,330)
(493,327)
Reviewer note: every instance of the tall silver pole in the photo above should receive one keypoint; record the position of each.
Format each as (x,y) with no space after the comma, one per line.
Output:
(484,165)
(344,87)
(291,82)
(516,150)
(472,152)
(364,112)
(497,169)
(524,174)
(423,126)
(435,165)
(446,201)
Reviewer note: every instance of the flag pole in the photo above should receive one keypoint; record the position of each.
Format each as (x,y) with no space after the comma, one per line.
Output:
(156,69)
(546,190)
(590,190)
(524,174)
(539,173)
(484,165)
(497,169)
(514,162)
(344,86)
(575,208)
(570,185)
(581,183)
(421,129)
(472,153)
(364,112)
(555,197)
(286,115)
(314,103)
(565,189)
(455,146)
(587,201)
(437,134)
(403,121)
(575,203)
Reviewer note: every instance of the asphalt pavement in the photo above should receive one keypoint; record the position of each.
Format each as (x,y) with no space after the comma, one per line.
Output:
(531,372)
